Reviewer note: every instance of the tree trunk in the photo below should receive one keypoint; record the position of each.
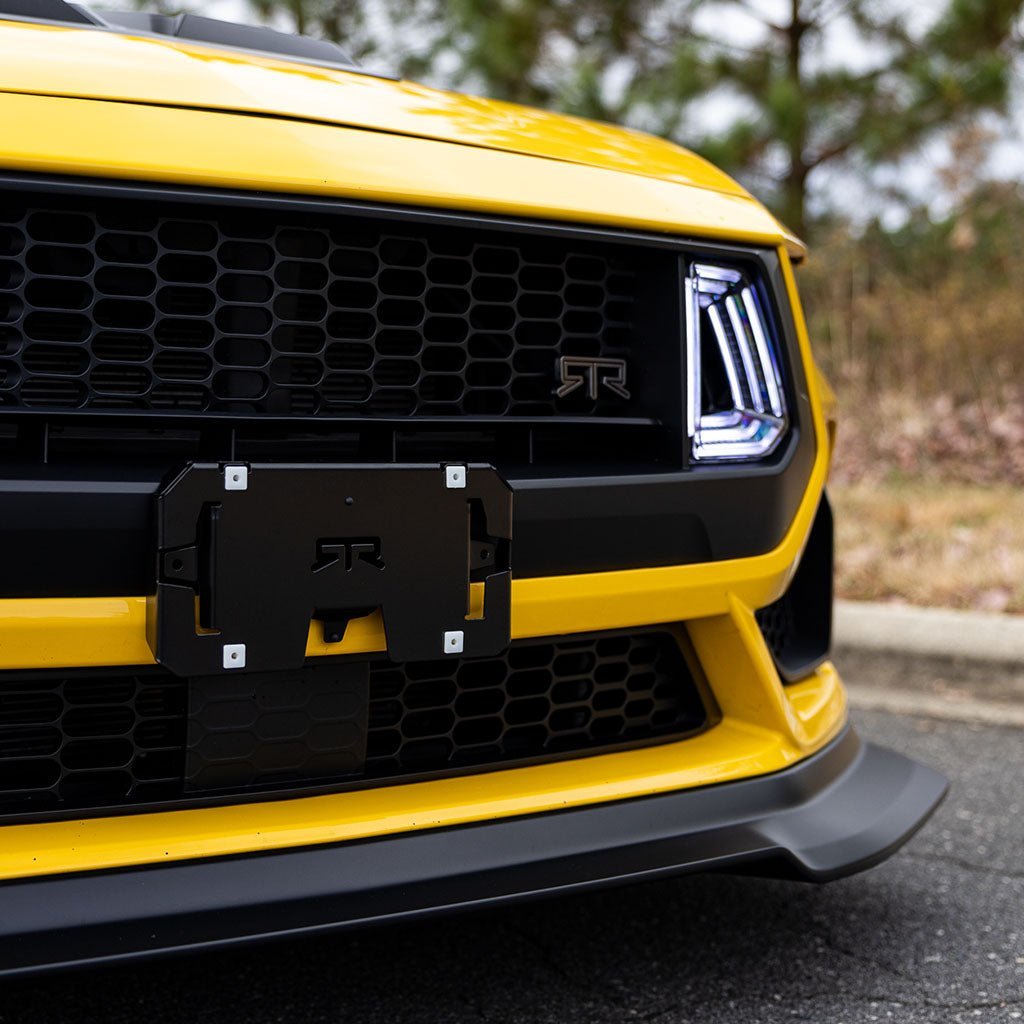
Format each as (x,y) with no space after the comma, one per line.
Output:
(794,195)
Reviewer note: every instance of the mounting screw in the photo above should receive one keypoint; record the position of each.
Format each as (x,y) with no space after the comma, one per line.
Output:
(453,640)
(454,477)
(234,655)
(236,478)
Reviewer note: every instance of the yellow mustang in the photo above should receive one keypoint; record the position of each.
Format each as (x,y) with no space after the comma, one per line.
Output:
(408,502)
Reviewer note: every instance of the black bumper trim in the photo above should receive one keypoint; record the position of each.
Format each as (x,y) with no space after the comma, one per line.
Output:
(842,810)
(77,493)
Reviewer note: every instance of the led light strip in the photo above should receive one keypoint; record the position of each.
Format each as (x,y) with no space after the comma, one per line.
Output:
(724,300)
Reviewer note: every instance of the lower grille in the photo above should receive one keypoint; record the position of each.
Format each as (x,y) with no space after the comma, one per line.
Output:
(89,740)
(543,697)
(105,740)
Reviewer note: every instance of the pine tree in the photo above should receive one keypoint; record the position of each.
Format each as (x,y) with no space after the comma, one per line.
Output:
(790,99)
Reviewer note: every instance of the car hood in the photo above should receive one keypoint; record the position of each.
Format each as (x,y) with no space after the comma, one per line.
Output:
(97,64)
(89,63)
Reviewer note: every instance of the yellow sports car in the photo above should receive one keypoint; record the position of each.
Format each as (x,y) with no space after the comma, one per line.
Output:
(408,502)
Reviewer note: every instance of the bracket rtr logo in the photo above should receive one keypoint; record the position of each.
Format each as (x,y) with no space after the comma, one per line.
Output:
(575,373)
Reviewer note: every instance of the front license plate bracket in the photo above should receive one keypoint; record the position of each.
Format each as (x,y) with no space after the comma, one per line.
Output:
(248,556)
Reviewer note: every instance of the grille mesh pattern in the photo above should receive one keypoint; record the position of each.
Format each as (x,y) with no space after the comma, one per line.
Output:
(89,740)
(108,739)
(199,309)
(778,625)
(543,697)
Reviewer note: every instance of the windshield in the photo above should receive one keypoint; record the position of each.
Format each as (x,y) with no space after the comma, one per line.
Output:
(193,27)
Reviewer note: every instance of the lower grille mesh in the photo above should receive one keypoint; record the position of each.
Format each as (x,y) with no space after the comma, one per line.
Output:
(89,740)
(542,697)
(110,739)
(778,625)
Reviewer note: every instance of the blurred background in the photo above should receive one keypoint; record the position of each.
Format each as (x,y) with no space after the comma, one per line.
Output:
(889,136)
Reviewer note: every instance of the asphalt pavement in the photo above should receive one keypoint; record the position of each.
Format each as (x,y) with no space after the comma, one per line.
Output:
(935,934)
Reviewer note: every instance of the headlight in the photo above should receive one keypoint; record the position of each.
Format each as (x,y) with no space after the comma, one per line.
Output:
(736,403)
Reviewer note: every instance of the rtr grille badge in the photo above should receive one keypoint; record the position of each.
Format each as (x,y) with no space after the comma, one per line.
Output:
(575,373)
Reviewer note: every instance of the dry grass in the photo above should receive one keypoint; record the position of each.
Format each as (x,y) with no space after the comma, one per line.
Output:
(922,336)
(893,435)
(931,543)
(934,318)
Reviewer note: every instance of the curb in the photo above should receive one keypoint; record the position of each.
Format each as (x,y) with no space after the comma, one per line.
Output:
(929,632)
(944,663)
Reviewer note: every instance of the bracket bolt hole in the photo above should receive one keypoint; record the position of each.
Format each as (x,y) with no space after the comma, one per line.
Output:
(177,565)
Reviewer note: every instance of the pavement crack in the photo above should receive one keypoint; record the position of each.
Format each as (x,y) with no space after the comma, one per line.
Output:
(550,962)
(863,958)
(546,955)
(960,862)
(914,1004)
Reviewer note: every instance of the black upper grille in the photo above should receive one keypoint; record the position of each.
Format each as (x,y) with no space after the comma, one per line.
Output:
(105,739)
(202,309)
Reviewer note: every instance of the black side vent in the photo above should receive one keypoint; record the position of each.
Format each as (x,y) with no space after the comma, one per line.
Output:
(798,626)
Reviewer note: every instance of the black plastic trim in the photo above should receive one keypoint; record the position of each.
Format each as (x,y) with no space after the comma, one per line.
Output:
(263,41)
(571,522)
(840,811)
(76,533)
(798,626)
(48,11)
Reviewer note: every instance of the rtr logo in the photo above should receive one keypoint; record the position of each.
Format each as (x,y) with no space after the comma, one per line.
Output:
(348,554)
(593,374)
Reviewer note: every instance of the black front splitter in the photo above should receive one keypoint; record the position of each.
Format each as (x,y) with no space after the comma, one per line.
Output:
(842,810)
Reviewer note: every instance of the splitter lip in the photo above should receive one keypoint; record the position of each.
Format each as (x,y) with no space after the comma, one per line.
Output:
(840,811)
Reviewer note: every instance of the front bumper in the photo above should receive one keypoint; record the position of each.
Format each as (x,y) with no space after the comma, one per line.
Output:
(840,811)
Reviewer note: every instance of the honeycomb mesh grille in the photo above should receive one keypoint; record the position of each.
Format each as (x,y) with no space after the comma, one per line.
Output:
(106,739)
(543,697)
(199,309)
(89,740)
(778,625)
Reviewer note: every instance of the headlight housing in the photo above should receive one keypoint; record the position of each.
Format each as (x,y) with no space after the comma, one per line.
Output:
(736,401)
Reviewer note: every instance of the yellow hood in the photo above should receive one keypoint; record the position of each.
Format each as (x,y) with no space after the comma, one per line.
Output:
(95,64)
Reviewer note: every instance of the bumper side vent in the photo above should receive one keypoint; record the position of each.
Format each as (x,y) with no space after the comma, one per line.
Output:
(798,626)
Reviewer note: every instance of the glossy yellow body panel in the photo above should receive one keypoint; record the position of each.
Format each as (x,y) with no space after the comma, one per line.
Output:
(83,62)
(735,748)
(122,140)
(70,105)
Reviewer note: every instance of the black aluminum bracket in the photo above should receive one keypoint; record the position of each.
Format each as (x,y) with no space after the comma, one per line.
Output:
(249,556)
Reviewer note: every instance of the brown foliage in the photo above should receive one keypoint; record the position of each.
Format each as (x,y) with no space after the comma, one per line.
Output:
(923,339)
